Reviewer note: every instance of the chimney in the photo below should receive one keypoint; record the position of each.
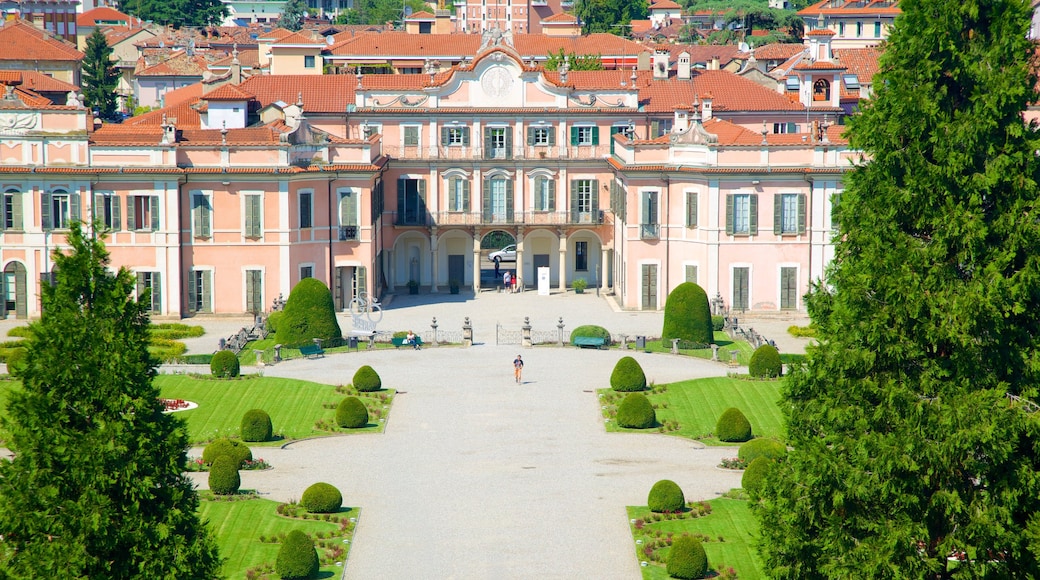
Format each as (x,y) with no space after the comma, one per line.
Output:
(684,66)
(169,127)
(706,107)
(714,64)
(643,60)
(236,67)
(682,119)
(661,64)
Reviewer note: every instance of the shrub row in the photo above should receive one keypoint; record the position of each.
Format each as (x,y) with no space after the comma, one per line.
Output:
(175,330)
(590,331)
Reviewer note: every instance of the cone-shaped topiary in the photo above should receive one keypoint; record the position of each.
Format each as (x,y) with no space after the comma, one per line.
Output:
(236,449)
(665,496)
(636,412)
(761,447)
(755,472)
(223,476)
(256,425)
(309,313)
(628,376)
(687,559)
(224,365)
(351,413)
(733,426)
(366,380)
(765,362)
(322,498)
(591,331)
(687,316)
(272,321)
(297,558)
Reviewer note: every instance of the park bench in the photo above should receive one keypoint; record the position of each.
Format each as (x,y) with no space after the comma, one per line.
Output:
(311,351)
(589,342)
(399,342)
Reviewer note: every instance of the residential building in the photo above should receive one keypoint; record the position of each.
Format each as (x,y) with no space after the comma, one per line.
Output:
(26,47)
(855,23)
(58,17)
(515,16)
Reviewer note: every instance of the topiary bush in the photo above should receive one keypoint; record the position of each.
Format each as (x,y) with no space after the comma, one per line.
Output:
(256,426)
(297,557)
(366,380)
(761,447)
(224,365)
(636,412)
(322,498)
(237,450)
(309,313)
(591,331)
(15,359)
(272,321)
(223,476)
(718,322)
(628,376)
(754,474)
(733,426)
(665,496)
(166,349)
(687,316)
(687,559)
(351,413)
(765,362)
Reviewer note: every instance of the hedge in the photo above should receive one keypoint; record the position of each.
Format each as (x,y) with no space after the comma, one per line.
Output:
(636,412)
(590,331)
(733,426)
(225,365)
(665,496)
(322,498)
(175,331)
(256,426)
(297,557)
(761,447)
(686,559)
(765,362)
(165,349)
(223,476)
(628,376)
(687,316)
(351,413)
(224,446)
(366,380)
(309,313)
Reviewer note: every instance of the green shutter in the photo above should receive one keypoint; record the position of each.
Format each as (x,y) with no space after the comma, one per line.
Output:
(465,195)
(421,187)
(530,136)
(140,286)
(655,128)
(16,211)
(192,297)
(445,136)
(465,136)
(45,211)
(834,210)
(117,222)
(729,214)
(401,185)
(691,209)
(552,195)
(347,209)
(131,213)
(753,215)
(96,211)
(485,198)
(574,136)
(251,301)
(207,217)
(595,135)
(155,212)
(509,142)
(778,214)
(509,200)
(453,193)
(801,213)
(552,136)
(574,201)
(196,214)
(613,131)
(74,208)
(255,204)
(594,205)
(487,142)
(207,294)
(156,292)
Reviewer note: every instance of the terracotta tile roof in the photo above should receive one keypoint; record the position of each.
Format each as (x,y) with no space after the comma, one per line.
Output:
(732,92)
(249,58)
(702,54)
(21,41)
(820,65)
(851,8)
(104,14)
(321,93)
(454,46)
(275,35)
(778,51)
(126,135)
(116,34)
(665,5)
(862,62)
(179,64)
(247,136)
(228,92)
(820,32)
(36,81)
(561,18)
(598,80)
(421,15)
(182,106)
(297,38)
(192,91)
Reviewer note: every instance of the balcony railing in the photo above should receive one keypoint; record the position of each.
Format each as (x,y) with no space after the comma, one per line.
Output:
(476,218)
(348,234)
(521,152)
(649,231)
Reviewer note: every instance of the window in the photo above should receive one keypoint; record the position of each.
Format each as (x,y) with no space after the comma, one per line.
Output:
(691,209)
(142,213)
(835,199)
(455,136)
(618,201)
(411,202)
(742,214)
(841,29)
(106,210)
(498,142)
(411,135)
(254,221)
(821,90)
(12,210)
(308,61)
(789,213)
(741,288)
(627,130)
(201,215)
(788,288)
(254,291)
(148,284)
(458,194)
(306,209)
(691,273)
(859,29)
(544,194)
(541,136)
(348,215)
(497,202)
(779,128)
(59,208)
(581,256)
(585,135)
(584,201)
(306,272)
(200,291)
(661,127)
(648,228)
(877,30)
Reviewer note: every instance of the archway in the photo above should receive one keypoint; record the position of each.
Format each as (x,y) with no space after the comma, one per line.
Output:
(497,255)
(13,291)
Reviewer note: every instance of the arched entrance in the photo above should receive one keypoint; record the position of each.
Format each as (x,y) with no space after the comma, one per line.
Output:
(497,256)
(13,291)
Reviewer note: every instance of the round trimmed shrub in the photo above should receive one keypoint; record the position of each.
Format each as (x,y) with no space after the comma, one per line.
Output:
(636,412)
(761,447)
(16,360)
(322,498)
(235,449)
(628,376)
(223,476)
(366,380)
(309,313)
(297,558)
(687,559)
(224,365)
(733,426)
(687,316)
(591,331)
(765,362)
(351,413)
(756,471)
(665,496)
(256,425)
(718,322)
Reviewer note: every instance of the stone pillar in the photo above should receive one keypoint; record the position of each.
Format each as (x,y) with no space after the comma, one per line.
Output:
(259,357)
(715,352)
(559,328)
(526,328)
(433,325)
(563,262)
(476,263)
(675,346)
(434,265)
(467,333)
(277,353)
(603,269)
(519,260)
(624,342)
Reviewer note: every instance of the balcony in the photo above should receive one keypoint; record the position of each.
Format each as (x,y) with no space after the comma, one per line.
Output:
(649,231)
(531,218)
(349,234)
(478,153)
(409,218)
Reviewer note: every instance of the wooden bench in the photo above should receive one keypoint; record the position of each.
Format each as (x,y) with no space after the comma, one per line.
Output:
(399,342)
(312,351)
(589,341)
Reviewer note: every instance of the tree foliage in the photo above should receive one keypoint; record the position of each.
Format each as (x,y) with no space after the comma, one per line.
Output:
(378,11)
(96,487)
(907,448)
(606,15)
(574,61)
(100,77)
(178,13)
(309,313)
(293,15)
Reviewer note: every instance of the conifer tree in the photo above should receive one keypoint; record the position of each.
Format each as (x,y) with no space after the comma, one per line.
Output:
(100,76)
(913,423)
(292,17)
(96,487)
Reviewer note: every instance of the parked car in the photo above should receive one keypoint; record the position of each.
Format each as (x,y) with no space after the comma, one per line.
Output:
(506,254)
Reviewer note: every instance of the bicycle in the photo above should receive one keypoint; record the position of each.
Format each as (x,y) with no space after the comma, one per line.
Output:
(362,305)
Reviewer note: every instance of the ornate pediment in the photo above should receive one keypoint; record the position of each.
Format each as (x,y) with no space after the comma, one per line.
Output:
(17,122)
(695,134)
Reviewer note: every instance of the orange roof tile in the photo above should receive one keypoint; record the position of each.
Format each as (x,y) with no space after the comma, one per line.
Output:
(778,51)
(421,15)
(104,14)
(249,58)
(851,8)
(664,5)
(820,65)
(179,64)
(36,81)
(820,32)
(274,36)
(21,41)
(321,93)
(862,62)
(297,38)
(228,92)
(561,18)
(454,46)
(733,92)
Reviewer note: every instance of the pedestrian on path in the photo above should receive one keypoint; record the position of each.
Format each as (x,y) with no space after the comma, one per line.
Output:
(506,280)
(518,367)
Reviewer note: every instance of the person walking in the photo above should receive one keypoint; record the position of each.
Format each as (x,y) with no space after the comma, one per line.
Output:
(506,280)
(518,368)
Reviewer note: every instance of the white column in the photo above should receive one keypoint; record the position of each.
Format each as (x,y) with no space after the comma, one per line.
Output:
(476,263)
(603,269)
(435,265)
(520,260)
(563,262)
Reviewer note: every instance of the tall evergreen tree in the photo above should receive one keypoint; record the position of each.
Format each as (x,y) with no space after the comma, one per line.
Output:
(912,424)
(96,488)
(100,76)
(178,13)
(609,15)
(292,17)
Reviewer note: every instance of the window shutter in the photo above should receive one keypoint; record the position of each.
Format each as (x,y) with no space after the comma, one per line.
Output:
(16,211)
(552,195)
(655,128)
(117,222)
(792,128)
(778,214)
(801,213)
(729,214)
(574,200)
(140,286)
(753,215)
(192,296)
(155,212)
(251,288)
(465,136)
(485,199)
(156,291)
(250,229)
(465,195)
(509,200)
(131,213)
(691,209)
(45,211)
(595,135)
(74,208)
(453,193)
(530,136)
(552,136)
(401,184)
(834,210)
(421,186)
(258,226)
(595,197)
(207,216)
(97,210)
(691,274)
(347,209)
(509,142)
(445,136)
(207,296)
(574,135)
(196,218)
(487,141)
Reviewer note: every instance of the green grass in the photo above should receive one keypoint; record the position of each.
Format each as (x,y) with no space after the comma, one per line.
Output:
(730,520)
(691,408)
(248,358)
(725,343)
(238,526)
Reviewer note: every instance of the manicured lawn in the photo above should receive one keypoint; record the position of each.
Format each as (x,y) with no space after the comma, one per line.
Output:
(730,529)
(691,408)
(726,344)
(239,525)
(294,406)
